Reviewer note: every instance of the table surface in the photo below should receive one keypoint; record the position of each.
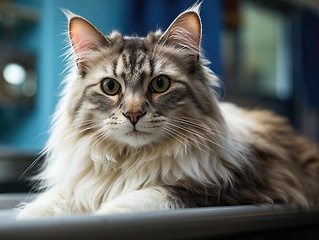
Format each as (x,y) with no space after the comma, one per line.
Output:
(239,222)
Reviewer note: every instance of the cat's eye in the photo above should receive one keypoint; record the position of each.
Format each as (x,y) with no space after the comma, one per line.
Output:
(110,86)
(160,84)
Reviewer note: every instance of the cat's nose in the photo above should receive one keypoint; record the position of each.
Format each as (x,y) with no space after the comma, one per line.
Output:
(133,116)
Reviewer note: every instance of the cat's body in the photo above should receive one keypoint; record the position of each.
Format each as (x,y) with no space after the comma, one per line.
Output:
(139,128)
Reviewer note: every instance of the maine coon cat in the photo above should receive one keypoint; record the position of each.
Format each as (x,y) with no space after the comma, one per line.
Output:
(139,128)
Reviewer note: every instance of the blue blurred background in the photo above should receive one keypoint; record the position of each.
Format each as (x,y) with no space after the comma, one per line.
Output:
(39,32)
(265,51)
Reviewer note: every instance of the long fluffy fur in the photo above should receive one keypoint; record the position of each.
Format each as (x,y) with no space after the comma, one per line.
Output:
(214,154)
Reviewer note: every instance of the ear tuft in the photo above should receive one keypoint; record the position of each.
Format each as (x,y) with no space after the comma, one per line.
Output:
(186,30)
(84,38)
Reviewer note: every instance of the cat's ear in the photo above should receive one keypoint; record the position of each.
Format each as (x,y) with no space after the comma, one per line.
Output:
(185,31)
(84,38)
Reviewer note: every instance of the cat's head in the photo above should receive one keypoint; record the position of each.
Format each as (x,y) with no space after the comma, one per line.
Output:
(138,91)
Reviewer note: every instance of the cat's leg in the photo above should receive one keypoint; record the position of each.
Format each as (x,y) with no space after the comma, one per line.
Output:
(148,199)
(49,203)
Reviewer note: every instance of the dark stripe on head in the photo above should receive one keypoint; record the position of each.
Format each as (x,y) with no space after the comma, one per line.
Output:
(132,57)
(115,67)
(151,66)
(125,60)
(134,47)
(131,49)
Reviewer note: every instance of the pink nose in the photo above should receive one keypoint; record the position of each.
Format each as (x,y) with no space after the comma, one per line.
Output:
(133,116)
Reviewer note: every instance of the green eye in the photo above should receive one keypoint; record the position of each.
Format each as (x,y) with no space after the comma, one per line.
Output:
(160,84)
(110,86)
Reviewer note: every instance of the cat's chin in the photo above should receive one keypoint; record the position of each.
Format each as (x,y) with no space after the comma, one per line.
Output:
(137,139)
(137,134)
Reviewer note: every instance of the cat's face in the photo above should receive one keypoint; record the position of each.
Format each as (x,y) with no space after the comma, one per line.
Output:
(139,91)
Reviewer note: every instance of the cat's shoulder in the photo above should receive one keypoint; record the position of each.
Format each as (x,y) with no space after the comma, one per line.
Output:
(230,110)
(256,120)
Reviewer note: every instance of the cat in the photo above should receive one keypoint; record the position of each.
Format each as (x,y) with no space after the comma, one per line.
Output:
(139,128)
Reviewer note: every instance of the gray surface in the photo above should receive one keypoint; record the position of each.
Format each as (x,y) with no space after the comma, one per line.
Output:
(13,164)
(219,222)
(9,201)
(6,215)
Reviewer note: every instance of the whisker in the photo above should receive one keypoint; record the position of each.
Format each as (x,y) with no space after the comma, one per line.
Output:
(175,136)
(98,138)
(42,153)
(193,141)
(200,136)
(74,131)
(190,122)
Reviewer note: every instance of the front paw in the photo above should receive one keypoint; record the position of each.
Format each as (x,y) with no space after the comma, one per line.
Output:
(43,209)
(31,211)
(110,210)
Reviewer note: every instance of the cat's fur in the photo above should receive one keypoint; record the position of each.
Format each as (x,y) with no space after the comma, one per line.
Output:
(140,150)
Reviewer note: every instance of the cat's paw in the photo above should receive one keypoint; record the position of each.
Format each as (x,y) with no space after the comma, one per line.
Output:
(47,204)
(39,209)
(32,212)
(109,210)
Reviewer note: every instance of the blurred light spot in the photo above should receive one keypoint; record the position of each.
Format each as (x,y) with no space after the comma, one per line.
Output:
(14,74)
